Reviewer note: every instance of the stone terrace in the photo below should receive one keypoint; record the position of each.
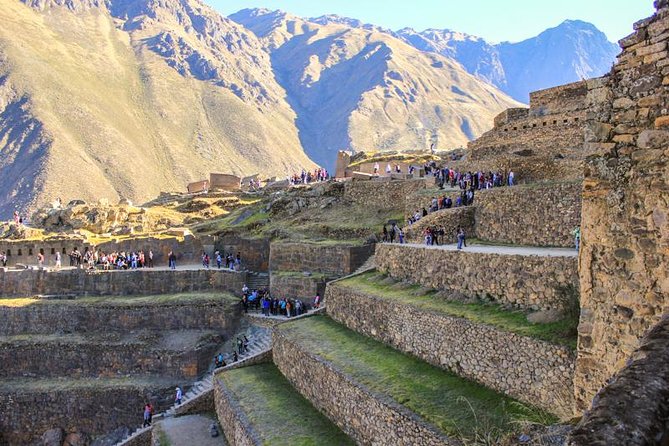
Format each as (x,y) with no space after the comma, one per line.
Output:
(91,377)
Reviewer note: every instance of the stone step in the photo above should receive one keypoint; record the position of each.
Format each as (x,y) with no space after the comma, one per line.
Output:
(499,349)
(397,399)
(273,411)
(522,277)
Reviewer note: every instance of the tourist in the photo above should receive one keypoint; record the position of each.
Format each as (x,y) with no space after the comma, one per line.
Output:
(511,175)
(388,169)
(235,358)
(3,259)
(205,260)
(178,396)
(149,262)
(219,259)
(147,415)
(461,237)
(400,233)
(577,237)
(40,260)
(58,261)
(376,168)
(384,237)
(172,260)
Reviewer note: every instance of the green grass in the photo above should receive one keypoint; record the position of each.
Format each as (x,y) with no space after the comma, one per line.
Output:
(455,405)
(561,332)
(278,413)
(155,300)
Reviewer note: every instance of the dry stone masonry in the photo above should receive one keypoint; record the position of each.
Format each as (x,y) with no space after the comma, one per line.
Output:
(528,282)
(527,369)
(367,417)
(624,261)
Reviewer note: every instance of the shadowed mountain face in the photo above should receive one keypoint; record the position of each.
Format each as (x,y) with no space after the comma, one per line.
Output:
(572,51)
(128,98)
(357,86)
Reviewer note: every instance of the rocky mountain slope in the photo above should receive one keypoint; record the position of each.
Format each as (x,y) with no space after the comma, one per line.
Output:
(360,87)
(572,51)
(126,98)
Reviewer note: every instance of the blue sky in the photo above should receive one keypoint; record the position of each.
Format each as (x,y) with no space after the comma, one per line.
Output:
(494,20)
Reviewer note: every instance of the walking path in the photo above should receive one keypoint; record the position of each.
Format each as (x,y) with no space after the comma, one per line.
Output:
(189,430)
(503,250)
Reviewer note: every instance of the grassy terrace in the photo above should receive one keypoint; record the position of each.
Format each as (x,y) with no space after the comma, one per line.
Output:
(30,385)
(130,301)
(562,332)
(278,413)
(459,407)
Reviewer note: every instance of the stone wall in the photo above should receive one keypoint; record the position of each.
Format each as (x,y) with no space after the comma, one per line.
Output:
(71,409)
(625,227)
(221,316)
(66,357)
(527,369)
(632,409)
(234,422)
(449,219)
(365,416)
(528,282)
(222,181)
(381,194)
(537,215)
(296,286)
(330,260)
(139,282)
(254,252)
(187,249)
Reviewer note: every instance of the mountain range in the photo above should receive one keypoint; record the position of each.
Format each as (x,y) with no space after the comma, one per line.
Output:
(126,98)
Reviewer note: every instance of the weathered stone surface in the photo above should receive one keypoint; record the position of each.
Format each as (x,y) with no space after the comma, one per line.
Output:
(632,408)
(363,415)
(296,286)
(527,369)
(536,215)
(530,282)
(449,219)
(140,282)
(334,261)
(624,265)
(377,194)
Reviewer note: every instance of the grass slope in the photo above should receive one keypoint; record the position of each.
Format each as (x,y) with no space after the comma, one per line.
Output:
(278,413)
(457,406)
(562,332)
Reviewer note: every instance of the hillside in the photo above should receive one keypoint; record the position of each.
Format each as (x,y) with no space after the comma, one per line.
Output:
(132,100)
(356,86)
(569,52)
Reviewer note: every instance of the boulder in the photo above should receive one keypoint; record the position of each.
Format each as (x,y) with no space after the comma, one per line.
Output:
(53,437)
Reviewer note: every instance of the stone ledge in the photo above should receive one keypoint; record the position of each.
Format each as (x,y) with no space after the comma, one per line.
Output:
(523,281)
(366,416)
(533,371)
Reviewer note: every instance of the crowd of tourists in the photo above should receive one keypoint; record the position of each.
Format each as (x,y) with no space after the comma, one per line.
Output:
(222,259)
(307,177)
(262,301)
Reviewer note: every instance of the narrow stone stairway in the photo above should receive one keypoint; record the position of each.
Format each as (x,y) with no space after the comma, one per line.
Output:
(260,340)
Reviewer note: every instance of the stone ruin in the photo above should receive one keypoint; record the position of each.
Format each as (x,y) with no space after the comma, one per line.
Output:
(605,140)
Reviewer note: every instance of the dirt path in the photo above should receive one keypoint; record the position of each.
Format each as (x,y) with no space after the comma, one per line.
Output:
(505,250)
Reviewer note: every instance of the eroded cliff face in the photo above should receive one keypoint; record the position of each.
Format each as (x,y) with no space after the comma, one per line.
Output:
(624,260)
(128,98)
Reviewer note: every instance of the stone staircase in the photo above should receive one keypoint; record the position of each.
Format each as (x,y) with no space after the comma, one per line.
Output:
(258,281)
(369,264)
(260,341)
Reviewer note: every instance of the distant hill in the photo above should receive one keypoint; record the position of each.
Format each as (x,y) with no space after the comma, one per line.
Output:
(572,51)
(128,98)
(358,86)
